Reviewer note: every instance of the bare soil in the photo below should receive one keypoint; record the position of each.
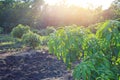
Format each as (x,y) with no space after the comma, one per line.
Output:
(32,65)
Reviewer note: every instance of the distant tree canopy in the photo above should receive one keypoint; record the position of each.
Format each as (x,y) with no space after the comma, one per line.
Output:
(37,14)
(113,12)
(14,12)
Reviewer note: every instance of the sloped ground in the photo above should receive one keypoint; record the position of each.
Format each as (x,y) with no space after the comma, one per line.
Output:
(33,66)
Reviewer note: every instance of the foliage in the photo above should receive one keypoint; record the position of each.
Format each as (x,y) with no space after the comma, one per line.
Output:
(66,43)
(113,12)
(99,53)
(14,12)
(1,30)
(94,27)
(31,39)
(118,19)
(110,34)
(6,38)
(44,32)
(47,31)
(19,30)
(38,15)
(8,43)
(50,30)
(44,40)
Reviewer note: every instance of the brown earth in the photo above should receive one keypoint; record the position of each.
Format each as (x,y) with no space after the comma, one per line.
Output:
(32,65)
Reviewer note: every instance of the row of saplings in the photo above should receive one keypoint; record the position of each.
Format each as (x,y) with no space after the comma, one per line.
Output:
(26,35)
(98,53)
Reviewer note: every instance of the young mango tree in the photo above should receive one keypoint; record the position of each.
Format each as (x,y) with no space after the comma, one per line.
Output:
(99,53)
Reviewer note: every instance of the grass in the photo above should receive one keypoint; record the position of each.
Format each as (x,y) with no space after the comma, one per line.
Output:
(6,38)
(8,43)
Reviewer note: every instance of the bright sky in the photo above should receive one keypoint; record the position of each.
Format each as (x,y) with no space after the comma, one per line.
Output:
(84,3)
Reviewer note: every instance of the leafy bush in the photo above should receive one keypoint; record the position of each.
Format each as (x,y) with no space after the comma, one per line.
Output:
(47,31)
(44,32)
(66,42)
(50,30)
(44,40)
(31,39)
(93,28)
(99,53)
(19,30)
(6,38)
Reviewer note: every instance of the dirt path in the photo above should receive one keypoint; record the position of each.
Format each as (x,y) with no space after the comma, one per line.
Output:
(34,66)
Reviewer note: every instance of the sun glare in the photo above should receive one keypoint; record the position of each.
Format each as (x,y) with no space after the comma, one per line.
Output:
(83,3)
(51,2)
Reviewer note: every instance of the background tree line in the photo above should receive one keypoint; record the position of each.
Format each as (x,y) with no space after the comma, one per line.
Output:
(38,14)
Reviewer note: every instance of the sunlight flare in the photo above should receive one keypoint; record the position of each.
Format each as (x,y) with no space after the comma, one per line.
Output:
(83,3)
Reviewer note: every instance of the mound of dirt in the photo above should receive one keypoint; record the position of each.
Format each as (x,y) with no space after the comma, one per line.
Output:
(35,66)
